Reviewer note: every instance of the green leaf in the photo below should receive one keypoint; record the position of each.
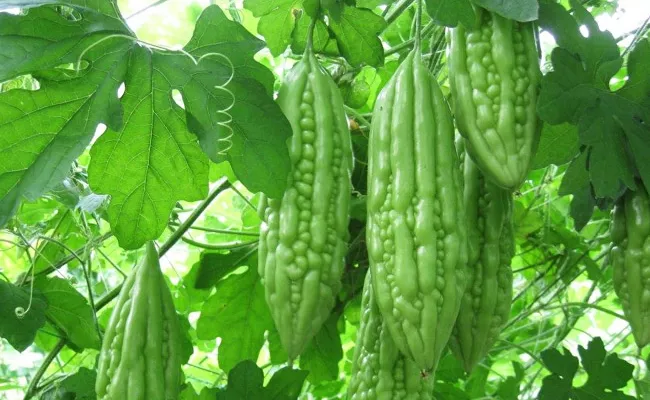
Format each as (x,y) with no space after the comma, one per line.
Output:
(609,164)
(577,92)
(78,386)
(356,31)
(214,266)
(555,387)
(321,37)
(20,332)
(564,365)
(521,10)
(35,160)
(238,314)
(245,382)
(257,150)
(276,350)
(576,183)
(153,161)
(148,158)
(607,373)
(637,89)
(509,388)
(277,20)
(246,379)
(558,145)
(70,311)
(106,7)
(322,355)
(451,12)
(286,384)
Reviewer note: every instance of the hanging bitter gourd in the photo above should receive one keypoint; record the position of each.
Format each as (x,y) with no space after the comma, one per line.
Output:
(416,232)
(303,238)
(488,296)
(494,76)
(630,234)
(379,370)
(140,357)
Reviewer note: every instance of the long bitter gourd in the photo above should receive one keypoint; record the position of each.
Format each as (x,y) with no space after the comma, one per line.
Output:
(416,233)
(379,370)
(631,259)
(488,296)
(303,238)
(494,76)
(140,357)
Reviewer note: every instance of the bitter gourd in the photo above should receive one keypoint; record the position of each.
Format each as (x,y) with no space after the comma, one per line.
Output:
(494,76)
(416,232)
(379,370)
(631,260)
(140,358)
(488,296)
(303,237)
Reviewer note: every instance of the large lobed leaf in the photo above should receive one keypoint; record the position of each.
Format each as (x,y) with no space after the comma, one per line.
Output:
(612,141)
(149,157)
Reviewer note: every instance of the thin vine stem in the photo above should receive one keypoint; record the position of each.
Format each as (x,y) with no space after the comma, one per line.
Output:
(31,389)
(67,259)
(243,197)
(87,268)
(409,43)
(221,186)
(396,11)
(218,246)
(221,231)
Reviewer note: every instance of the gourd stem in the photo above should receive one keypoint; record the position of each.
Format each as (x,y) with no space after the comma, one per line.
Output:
(310,34)
(418,26)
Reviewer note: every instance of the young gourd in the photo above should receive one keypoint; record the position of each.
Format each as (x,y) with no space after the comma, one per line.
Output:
(416,232)
(494,76)
(140,357)
(304,234)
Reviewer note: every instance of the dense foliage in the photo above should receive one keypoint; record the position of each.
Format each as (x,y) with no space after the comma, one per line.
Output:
(214,137)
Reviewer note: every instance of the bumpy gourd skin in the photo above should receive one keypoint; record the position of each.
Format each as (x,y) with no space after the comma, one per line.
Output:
(631,258)
(303,237)
(379,370)
(140,357)
(494,76)
(488,296)
(416,232)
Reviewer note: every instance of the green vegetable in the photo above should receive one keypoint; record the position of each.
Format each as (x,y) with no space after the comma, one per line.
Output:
(379,370)
(494,76)
(631,258)
(486,303)
(416,233)
(140,357)
(303,238)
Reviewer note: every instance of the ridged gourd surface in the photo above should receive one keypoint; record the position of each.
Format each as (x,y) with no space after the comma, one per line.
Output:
(416,232)
(488,296)
(494,77)
(631,259)
(379,370)
(304,234)
(140,356)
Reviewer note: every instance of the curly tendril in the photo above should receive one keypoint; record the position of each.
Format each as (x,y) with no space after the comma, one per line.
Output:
(225,112)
